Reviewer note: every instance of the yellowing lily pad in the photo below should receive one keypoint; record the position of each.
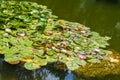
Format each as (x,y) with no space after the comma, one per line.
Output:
(31,66)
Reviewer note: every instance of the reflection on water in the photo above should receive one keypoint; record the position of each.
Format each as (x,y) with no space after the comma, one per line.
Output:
(15,72)
(10,72)
(42,74)
(70,76)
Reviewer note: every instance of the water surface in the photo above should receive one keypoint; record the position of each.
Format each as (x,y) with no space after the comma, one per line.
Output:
(102,16)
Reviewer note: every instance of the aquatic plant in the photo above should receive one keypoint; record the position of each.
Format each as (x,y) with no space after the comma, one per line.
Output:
(32,36)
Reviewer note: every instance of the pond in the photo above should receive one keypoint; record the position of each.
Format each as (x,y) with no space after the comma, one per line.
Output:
(102,16)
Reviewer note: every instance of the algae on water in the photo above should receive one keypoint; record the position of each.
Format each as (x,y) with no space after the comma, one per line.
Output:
(31,35)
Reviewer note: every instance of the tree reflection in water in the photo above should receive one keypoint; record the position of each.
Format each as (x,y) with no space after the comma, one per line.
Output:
(44,73)
(15,72)
(41,74)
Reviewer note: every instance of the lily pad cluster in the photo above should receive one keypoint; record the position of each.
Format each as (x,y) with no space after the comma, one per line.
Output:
(32,36)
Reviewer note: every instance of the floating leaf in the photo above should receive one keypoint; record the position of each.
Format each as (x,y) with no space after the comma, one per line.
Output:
(31,66)
(94,61)
(63,58)
(50,52)
(11,58)
(72,66)
(81,62)
(51,59)
(43,62)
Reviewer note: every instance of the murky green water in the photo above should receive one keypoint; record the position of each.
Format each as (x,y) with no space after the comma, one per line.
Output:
(102,16)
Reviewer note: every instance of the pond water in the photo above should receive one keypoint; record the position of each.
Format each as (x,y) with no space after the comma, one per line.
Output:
(102,16)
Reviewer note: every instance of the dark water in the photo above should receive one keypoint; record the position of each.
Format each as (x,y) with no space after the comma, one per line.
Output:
(102,16)
(16,72)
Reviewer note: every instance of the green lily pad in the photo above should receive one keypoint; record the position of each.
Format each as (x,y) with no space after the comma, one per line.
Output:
(94,61)
(12,57)
(50,52)
(72,66)
(51,59)
(81,62)
(43,62)
(31,66)
(63,58)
